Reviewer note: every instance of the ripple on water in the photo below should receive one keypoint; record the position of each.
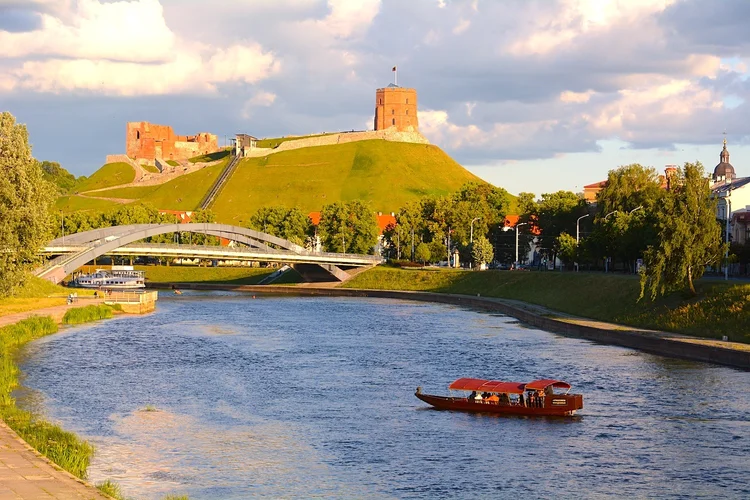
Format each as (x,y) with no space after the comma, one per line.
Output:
(299,397)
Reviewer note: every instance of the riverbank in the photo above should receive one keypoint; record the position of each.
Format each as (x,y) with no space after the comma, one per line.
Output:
(727,353)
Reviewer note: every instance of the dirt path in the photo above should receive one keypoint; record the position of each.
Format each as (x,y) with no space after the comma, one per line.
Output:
(56,312)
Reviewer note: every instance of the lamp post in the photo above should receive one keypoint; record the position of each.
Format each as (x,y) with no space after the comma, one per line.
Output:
(471,232)
(578,234)
(636,209)
(506,228)
(606,259)
(728,205)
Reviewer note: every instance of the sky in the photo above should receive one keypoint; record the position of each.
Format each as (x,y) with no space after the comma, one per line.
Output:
(530,95)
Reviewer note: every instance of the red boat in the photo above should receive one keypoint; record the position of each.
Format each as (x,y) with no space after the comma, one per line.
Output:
(541,397)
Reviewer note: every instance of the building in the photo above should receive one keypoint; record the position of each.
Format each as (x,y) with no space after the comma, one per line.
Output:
(741,225)
(733,192)
(396,107)
(146,142)
(591,190)
(243,143)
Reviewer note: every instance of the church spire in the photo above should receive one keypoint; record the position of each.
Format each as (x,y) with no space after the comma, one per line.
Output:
(724,156)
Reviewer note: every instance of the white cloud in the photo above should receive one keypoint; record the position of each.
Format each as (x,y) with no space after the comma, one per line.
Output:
(576,97)
(463,25)
(262,98)
(349,18)
(123,48)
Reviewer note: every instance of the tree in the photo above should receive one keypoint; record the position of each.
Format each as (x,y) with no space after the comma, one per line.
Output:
(53,173)
(689,237)
(422,253)
(288,223)
(25,198)
(481,250)
(566,248)
(349,227)
(557,213)
(629,187)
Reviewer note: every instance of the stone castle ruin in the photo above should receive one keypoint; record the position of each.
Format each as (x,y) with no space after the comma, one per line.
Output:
(147,143)
(396,107)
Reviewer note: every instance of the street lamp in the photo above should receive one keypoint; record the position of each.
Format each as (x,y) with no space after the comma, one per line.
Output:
(636,209)
(471,234)
(728,205)
(508,228)
(613,211)
(578,234)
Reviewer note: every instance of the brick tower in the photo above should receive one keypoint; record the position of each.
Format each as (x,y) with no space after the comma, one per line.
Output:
(396,107)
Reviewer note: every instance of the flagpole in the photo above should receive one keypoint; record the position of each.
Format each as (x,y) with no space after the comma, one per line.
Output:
(395,75)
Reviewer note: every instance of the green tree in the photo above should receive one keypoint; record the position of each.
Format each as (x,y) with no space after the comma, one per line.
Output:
(25,198)
(422,253)
(288,223)
(629,187)
(566,248)
(482,251)
(63,180)
(689,237)
(349,227)
(556,213)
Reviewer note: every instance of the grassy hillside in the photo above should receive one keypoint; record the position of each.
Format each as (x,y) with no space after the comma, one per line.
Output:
(182,193)
(275,141)
(36,293)
(75,203)
(209,157)
(388,174)
(111,174)
(616,297)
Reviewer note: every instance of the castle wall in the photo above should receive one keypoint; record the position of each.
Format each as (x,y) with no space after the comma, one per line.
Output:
(396,107)
(146,141)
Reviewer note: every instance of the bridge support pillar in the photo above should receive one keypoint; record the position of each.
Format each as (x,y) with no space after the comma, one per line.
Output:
(317,273)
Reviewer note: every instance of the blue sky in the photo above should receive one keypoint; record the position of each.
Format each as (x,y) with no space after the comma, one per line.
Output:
(531,95)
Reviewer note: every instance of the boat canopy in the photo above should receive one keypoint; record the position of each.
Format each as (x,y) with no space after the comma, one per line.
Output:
(540,385)
(477,384)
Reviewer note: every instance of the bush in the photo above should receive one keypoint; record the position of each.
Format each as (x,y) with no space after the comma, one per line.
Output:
(87,314)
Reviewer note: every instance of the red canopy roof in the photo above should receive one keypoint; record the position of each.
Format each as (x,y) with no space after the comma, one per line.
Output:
(540,385)
(477,384)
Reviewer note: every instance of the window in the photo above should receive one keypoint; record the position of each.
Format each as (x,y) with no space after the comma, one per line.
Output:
(407,111)
(393,111)
(381,101)
(394,121)
(407,100)
(137,134)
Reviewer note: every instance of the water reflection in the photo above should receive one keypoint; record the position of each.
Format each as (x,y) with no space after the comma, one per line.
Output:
(298,397)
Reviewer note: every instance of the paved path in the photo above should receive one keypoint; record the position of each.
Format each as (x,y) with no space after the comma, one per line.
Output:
(24,473)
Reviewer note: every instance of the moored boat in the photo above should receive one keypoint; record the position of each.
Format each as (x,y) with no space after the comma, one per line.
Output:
(545,397)
(118,278)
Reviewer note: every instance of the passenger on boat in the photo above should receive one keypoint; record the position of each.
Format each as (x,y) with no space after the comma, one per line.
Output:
(493,399)
(520,400)
(478,398)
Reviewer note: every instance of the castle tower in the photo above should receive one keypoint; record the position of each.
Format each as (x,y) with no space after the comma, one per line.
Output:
(396,107)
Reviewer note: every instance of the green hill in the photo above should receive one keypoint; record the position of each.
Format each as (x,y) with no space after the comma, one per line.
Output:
(183,193)
(111,174)
(387,174)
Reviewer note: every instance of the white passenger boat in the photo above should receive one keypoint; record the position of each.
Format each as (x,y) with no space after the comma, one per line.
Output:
(118,278)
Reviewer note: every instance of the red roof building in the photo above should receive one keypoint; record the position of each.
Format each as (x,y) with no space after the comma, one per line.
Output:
(384,220)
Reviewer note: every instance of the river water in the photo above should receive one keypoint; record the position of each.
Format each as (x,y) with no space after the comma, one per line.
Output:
(222,396)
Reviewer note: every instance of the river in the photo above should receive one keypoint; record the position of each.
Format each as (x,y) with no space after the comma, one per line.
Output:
(225,396)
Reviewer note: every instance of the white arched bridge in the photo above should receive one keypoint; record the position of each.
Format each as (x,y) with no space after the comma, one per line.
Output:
(76,250)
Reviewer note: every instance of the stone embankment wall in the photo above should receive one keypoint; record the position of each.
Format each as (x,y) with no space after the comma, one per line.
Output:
(390,134)
(661,345)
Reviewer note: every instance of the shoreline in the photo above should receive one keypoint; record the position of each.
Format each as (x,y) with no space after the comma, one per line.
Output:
(674,345)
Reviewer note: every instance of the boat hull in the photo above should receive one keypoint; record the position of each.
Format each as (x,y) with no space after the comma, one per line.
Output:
(553,406)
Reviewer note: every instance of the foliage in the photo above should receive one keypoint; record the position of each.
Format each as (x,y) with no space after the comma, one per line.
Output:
(566,248)
(110,174)
(63,180)
(481,250)
(629,187)
(720,309)
(62,447)
(111,488)
(78,222)
(422,253)
(689,236)
(348,227)
(288,223)
(25,198)
(75,203)
(87,314)
(554,214)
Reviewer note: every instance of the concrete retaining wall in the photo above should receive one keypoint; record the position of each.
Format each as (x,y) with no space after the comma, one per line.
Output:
(634,340)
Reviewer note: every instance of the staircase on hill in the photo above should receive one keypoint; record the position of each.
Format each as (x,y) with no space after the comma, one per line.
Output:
(216,188)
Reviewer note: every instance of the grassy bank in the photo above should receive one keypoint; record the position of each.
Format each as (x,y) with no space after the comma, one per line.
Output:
(191,274)
(110,174)
(62,447)
(87,314)
(720,309)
